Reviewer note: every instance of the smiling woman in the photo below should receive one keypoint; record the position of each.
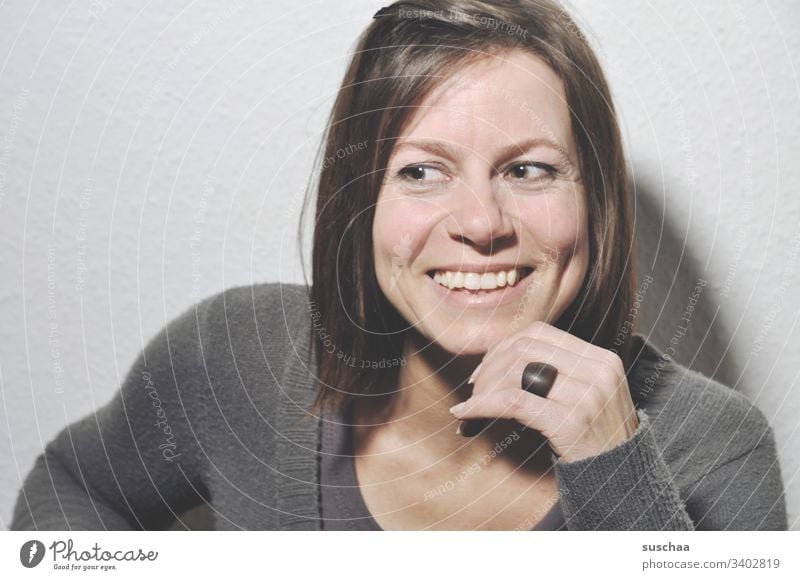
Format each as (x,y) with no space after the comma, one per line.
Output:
(487,137)
(491,223)
(464,358)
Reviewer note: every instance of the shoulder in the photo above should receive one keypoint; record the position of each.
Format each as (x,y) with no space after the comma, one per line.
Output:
(262,295)
(698,422)
(257,335)
(270,306)
(241,327)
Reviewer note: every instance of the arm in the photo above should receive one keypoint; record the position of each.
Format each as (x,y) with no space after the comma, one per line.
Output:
(135,463)
(628,487)
(745,493)
(631,488)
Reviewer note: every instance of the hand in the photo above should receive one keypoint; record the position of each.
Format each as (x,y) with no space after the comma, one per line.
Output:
(589,408)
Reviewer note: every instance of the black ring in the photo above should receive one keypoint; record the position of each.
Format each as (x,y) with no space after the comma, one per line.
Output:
(538,378)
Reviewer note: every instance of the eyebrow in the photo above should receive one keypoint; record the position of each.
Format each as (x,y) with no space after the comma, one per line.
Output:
(443,149)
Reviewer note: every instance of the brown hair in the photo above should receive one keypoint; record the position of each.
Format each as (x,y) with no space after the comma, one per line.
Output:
(406,51)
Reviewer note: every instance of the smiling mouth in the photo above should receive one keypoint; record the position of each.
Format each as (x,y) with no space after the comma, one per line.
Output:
(479,283)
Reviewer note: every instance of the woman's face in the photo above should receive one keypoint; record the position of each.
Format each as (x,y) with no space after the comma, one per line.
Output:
(482,188)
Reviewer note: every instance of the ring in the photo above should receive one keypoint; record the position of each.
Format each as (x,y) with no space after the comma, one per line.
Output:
(538,378)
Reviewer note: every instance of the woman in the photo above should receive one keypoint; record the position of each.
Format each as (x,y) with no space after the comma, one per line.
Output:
(473,217)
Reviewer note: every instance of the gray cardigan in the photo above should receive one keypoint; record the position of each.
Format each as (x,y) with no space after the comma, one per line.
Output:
(213,408)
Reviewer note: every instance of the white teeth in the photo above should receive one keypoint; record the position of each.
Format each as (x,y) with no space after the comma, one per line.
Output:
(476,281)
(472,281)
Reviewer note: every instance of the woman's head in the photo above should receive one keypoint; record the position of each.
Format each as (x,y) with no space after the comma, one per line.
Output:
(482,189)
(523,166)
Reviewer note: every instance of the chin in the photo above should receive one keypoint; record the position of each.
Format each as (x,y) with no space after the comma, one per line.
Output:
(469,339)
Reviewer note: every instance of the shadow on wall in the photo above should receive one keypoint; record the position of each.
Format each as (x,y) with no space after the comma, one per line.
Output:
(679,309)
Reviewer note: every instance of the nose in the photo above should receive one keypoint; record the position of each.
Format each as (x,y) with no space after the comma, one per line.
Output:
(479,217)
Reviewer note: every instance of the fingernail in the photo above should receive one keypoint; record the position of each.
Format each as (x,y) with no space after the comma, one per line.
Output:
(458,429)
(474,374)
(456,409)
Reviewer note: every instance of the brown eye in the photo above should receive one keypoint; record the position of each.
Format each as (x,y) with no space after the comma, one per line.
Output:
(521,171)
(415,173)
(418,175)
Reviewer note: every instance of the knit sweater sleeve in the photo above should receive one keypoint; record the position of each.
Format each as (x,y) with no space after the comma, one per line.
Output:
(629,487)
(744,493)
(134,463)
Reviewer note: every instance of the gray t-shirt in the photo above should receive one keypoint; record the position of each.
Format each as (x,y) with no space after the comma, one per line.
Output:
(342,505)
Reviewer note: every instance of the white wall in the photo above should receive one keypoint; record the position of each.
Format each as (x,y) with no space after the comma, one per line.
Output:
(150,156)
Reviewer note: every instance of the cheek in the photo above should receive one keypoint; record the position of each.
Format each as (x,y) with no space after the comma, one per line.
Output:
(558,224)
(399,231)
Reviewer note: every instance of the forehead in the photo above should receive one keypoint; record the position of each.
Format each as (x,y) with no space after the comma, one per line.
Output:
(507,97)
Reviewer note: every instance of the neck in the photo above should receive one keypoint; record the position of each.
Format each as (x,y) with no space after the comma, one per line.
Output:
(416,414)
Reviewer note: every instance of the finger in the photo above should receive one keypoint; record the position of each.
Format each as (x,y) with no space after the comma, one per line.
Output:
(505,369)
(528,409)
(606,367)
(558,338)
(563,339)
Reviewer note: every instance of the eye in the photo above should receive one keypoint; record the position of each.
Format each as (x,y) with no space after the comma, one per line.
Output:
(530,171)
(421,175)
